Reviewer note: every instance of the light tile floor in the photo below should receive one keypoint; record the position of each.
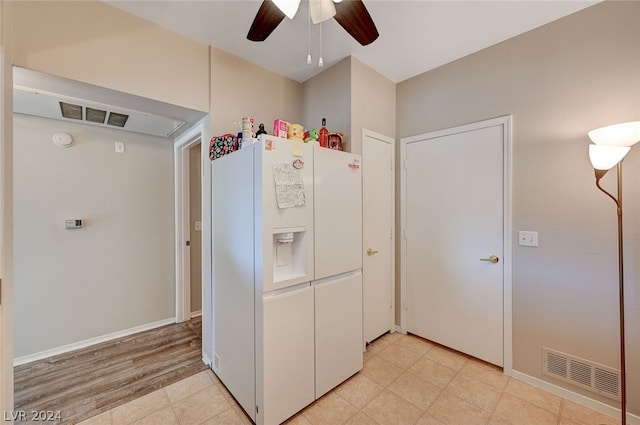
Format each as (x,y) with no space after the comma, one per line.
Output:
(405,380)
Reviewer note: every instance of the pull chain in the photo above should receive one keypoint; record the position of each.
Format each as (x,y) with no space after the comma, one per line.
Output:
(309,61)
(320,61)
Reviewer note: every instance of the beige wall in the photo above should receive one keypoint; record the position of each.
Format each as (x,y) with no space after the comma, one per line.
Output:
(117,272)
(95,43)
(328,95)
(558,81)
(91,42)
(373,104)
(351,96)
(240,88)
(195,214)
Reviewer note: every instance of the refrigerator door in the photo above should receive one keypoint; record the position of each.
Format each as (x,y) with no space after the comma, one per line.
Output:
(288,355)
(339,343)
(338,212)
(283,213)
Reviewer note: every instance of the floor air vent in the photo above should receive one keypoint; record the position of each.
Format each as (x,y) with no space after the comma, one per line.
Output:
(583,373)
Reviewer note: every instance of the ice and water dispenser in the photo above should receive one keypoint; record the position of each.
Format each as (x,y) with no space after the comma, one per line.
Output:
(289,253)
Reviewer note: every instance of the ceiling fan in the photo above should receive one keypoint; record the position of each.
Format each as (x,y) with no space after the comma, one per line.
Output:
(352,15)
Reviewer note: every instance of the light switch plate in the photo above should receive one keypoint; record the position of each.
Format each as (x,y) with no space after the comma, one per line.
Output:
(528,238)
(119,147)
(73,223)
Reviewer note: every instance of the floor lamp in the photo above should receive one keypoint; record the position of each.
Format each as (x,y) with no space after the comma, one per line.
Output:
(612,143)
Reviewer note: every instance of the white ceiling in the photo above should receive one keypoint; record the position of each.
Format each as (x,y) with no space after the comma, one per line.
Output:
(415,35)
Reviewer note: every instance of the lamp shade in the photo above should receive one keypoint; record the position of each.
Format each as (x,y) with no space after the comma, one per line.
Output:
(605,157)
(321,10)
(623,134)
(288,7)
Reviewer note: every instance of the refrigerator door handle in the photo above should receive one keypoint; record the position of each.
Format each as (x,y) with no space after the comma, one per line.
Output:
(289,290)
(336,277)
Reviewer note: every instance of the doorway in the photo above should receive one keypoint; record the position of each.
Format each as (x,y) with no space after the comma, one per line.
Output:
(189,224)
(456,278)
(184,222)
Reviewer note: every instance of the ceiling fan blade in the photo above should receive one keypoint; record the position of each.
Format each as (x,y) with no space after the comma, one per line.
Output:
(266,20)
(354,17)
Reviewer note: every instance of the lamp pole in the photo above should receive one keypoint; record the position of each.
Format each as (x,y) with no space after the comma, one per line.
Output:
(618,201)
(623,384)
(612,143)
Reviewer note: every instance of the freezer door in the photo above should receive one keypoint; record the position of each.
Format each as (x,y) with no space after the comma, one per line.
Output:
(337,212)
(339,343)
(288,355)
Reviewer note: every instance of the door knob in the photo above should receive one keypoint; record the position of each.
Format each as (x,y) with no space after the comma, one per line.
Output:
(493,259)
(371,251)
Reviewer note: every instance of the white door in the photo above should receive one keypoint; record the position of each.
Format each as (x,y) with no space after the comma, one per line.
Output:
(454,210)
(378,205)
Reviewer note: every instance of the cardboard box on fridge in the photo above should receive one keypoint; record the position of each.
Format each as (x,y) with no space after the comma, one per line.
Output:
(280,128)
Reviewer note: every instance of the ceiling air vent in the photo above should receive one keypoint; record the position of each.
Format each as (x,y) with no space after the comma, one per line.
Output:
(121,113)
(69,110)
(96,115)
(600,379)
(118,120)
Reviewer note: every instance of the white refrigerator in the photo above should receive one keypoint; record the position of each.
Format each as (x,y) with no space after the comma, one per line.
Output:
(286,278)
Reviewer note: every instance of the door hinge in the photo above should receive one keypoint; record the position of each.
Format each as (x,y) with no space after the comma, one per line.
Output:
(188,243)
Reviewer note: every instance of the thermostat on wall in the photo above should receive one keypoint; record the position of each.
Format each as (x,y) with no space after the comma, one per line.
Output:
(73,223)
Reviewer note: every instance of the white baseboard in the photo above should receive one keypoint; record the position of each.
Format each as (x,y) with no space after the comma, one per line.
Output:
(206,360)
(91,341)
(196,313)
(575,397)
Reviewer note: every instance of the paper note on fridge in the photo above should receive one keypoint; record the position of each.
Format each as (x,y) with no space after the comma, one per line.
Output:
(289,185)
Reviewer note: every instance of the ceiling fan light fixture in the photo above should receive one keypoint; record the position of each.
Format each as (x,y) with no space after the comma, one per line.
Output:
(288,7)
(321,10)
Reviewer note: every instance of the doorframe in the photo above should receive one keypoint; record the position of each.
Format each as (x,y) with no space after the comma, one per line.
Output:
(199,133)
(6,210)
(507,152)
(181,147)
(391,141)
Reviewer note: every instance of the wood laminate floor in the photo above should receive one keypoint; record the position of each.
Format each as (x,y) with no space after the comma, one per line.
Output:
(92,380)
